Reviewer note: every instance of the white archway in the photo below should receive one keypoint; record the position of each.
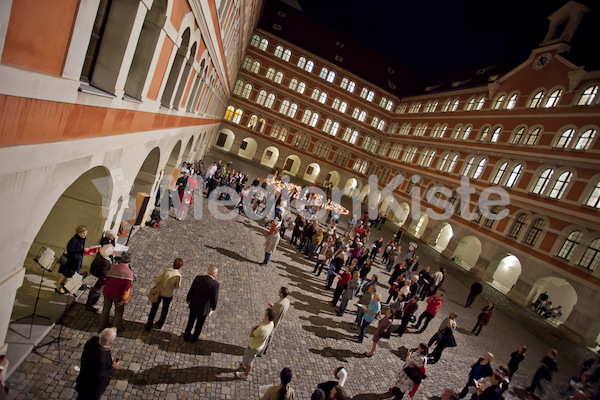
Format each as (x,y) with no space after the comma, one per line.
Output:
(312,172)
(225,139)
(270,156)
(560,293)
(248,148)
(401,213)
(334,178)
(507,272)
(366,191)
(441,235)
(187,153)
(467,252)
(349,186)
(418,225)
(292,165)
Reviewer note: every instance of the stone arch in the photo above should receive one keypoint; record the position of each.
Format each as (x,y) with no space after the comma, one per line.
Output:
(507,269)
(144,183)
(270,156)
(467,252)
(292,165)
(560,293)
(334,178)
(365,192)
(401,213)
(84,202)
(440,236)
(351,184)
(173,158)
(187,153)
(248,148)
(418,225)
(312,172)
(225,139)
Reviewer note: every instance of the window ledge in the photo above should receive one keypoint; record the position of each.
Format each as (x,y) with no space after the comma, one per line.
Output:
(89,89)
(131,99)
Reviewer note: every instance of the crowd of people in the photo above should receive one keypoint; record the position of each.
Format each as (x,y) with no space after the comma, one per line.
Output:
(544,307)
(346,254)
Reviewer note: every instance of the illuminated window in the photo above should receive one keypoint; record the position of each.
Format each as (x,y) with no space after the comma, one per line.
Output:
(262,96)
(278,77)
(284,107)
(287,54)
(585,140)
(591,257)
(470,104)
(512,102)
(480,103)
(343,107)
(335,104)
(301,62)
(237,89)
(270,74)
(323,98)
(498,103)
(364,92)
(390,105)
(356,113)
(270,100)
(565,138)
(537,99)
(247,91)
(301,87)
(454,105)
(344,83)
(542,182)
(247,63)
(479,169)
(315,94)
(374,122)
(313,120)
(309,66)
(483,134)
(516,139)
(292,111)
(370,96)
(533,136)
(466,133)
(500,173)
(452,164)
(229,113)
(293,84)
(468,165)
(255,67)
(514,175)
(334,128)
(306,117)
(330,76)
(593,199)
(553,99)
(588,96)
(278,51)
(237,117)
(495,135)
(264,43)
(560,185)
(323,73)
(255,40)
(351,86)
(363,116)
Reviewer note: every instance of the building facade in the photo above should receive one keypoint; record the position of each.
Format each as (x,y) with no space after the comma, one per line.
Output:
(99,99)
(524,136)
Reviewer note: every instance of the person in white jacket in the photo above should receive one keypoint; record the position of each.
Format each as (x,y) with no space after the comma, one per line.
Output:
(166,282)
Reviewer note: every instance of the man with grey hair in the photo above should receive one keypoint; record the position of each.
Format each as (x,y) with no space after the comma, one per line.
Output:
(97,366)
(202,300)
(99,268)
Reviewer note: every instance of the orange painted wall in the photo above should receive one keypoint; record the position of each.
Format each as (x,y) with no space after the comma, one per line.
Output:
(161,68)
(180,8)
(28,121)
(32,23)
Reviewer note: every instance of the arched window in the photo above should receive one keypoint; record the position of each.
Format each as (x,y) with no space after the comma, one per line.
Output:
(466,132)
(366,143)
(479,169)
(381,125)
(323,73)
(262,96)
(560,185)
(306,117)
(343,107)
(443,162)
(292,111)
(370,96)
(565,138)
(500,173)
(247,63)
(229,113)
(552,100)
(533,136)
(512,102)
(585,140)
(468,165)
(498,103)
(384,100)
(284,107)
(568,248)
(351,86)
(516,139)
(313,120)
(374,144)
(483,134)
(318,149)
(270,74)
(344,83)
(495,135)
(237,117)
(593,199)
(542,182)
(536,100)
(455,105)
(591,257)
(301,87)
(278,77)
(327,125)
(334,128)
(286,55)
(470,104)
(518,225)
(374,122)
(278,51)
(364,92)
(315,94)
(270,100)
(293,84)
(514,175)
(309,66)
(301,62)
(252,122)
(264,43)
(442,131)
(323,98)
(446,106)
(255,67)
(330,76)
(363,116)
(480,103)
(452,164)
(237,89)
(354,137)
(247,91)
(588,96)
(534,232)
(335,104)
(255,40)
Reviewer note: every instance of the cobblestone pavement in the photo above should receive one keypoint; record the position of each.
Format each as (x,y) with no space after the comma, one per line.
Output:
(311,340)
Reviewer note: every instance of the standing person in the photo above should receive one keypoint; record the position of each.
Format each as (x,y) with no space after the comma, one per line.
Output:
(425,281)
(438,279)
(97,366)
(370,313)
(445,339)
(167,282)
(283,391)
(99,268)
(415,360)
(433,305)
(409,310)
(382,221)
(383,327)
(376,248)
(117,291)
(449,322)
(483,318)
(398,236)
(476,289)
(480,369)
(348,293)
(258,338)
(280,308)
(271,244)
(351,226)
(516,358)
(341,285)
(365,299)
(202,299)
(545,371)
(75,249)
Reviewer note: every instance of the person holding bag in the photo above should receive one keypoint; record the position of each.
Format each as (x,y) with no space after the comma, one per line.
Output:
(75,251)
(165,284)
(117,291)
(412,372)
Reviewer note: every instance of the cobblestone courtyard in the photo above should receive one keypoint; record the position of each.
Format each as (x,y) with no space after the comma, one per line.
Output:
(311,340)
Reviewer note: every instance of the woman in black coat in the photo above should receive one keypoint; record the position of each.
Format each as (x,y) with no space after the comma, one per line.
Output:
(97,366)
(75,249)
(481,369)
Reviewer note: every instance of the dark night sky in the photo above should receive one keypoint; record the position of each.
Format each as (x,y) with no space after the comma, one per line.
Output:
(437,36)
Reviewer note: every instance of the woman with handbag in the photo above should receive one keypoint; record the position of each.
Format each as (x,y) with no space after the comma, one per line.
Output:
(384,329)
(164,285)
(412,372)
(75,250)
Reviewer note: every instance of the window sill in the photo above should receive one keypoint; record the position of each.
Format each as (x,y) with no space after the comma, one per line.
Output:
(87,88)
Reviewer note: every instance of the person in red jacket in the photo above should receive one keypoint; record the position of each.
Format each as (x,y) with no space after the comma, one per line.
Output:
(433,306)
(342,283)
(117,290)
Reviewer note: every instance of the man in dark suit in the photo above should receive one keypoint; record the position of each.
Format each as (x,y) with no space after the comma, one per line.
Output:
(202,298)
